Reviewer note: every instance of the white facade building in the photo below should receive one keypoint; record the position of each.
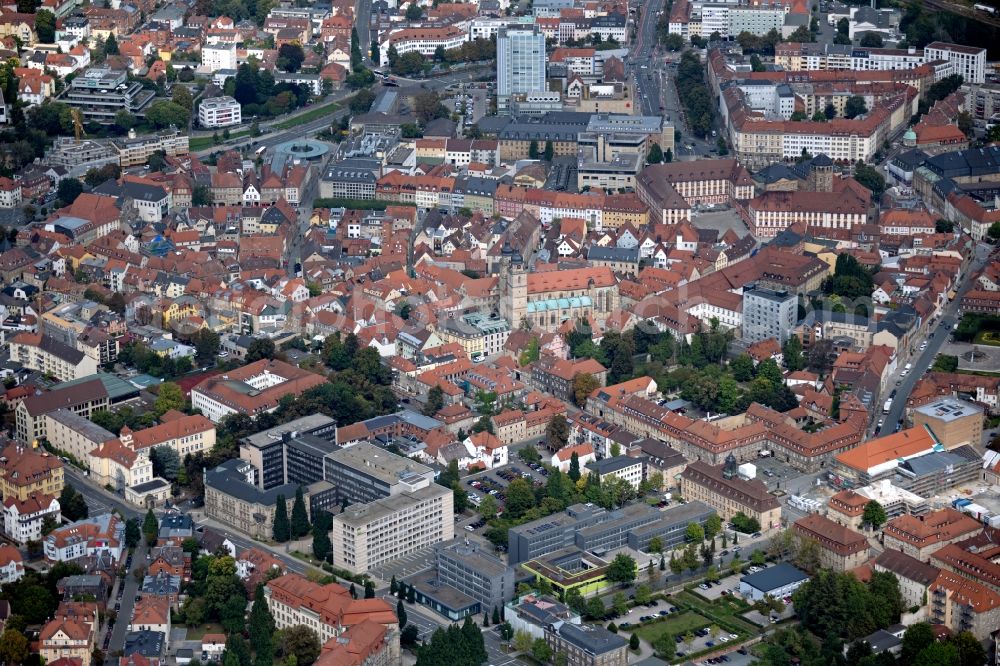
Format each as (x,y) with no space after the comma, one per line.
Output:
(219,112)
(520,62)
(969,61)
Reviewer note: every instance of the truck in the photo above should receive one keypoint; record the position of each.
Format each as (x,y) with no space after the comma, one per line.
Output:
(887,406)
(764,454)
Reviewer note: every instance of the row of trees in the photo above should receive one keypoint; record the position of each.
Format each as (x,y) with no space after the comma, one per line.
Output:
(260,95)
(694,94)
(284,529)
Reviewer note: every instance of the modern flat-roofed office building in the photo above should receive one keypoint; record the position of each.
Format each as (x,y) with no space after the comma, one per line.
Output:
(293,452)
(368,535)
(465,566)
(593,529)
(99,93)
(365,473)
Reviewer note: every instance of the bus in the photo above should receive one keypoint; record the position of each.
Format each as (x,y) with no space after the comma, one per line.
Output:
(260,151)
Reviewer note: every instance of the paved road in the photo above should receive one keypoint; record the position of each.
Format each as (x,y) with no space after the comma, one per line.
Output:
(126,596)
(922,361)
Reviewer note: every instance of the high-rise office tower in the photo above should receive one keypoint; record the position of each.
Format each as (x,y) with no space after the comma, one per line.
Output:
(520,62)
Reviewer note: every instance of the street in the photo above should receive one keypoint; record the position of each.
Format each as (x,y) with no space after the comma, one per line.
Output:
(923,361)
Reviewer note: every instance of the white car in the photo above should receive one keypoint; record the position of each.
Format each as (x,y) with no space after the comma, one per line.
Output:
(733,637)
(723,639)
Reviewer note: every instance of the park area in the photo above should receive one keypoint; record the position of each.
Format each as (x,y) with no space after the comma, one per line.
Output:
(677,624)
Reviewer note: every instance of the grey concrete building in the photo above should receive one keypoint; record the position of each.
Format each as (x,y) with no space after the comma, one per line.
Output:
(768,314)
(466,567)
(592,528)
(365,473)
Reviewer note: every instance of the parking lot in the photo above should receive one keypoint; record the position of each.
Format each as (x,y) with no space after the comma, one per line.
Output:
(407,565)
(494,482)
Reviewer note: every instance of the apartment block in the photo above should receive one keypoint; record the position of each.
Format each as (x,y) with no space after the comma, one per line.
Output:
(768,313)
(365,536)
(23,519)
(49,356)
(969,61)
(219,112)
(587,644)
(100,535)
(962,604)
(27,472)
(631,470)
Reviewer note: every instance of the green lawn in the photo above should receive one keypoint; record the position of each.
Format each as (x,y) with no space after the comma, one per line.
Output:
(307,116)
(987,338)
(206,142)
(677,624)
(195,633)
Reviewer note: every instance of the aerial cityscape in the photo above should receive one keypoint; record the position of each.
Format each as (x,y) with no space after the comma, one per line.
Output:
(500,333)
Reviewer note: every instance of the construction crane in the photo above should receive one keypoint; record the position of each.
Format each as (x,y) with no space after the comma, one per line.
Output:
(77,123)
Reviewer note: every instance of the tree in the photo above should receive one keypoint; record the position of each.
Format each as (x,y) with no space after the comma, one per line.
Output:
(744,523)
(362,101)
(855,106)
(916,639)
(643,593)
(673,42)
(164,114)
(742,367)
(871,40)
(830,111)
(150,527)
(111,45)
(72,504)
(937,654)
(166,461)
(281,530)
(132,533)
(261,623)
(792,354)
(13,647)
(695,533)
(622,569)
(869,176)
(655,545)
(401,613)
(290,57)
(584,384)
(169,396)
(874,515)
(533,150)
(435,401)
(300,642)
(655,155)
(427,105)
(633,642)
(182,97)
(522,641)
(45,26)
(201,195)
(574,467)
(300,519)
(970,650)
(665,646)
(596,609)
(994,231)
(414,12)
(713,526)
(260,348)
(540,650)
(557,432)
(69,189)
(520,498)
(370,590)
